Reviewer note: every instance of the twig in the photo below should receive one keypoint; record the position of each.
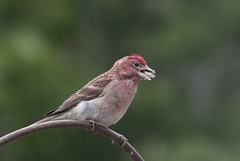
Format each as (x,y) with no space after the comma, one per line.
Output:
(34,128)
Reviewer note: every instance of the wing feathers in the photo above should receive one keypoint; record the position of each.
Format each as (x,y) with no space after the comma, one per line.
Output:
(90,91)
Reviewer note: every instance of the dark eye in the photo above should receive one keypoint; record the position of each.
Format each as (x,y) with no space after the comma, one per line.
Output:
(136,64)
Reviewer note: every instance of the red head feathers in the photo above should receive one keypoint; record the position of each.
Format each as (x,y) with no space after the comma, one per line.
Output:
(139,58)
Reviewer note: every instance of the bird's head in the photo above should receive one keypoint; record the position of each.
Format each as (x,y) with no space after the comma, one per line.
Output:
(135,66)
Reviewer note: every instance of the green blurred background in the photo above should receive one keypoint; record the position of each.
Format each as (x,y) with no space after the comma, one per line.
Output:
(189,112)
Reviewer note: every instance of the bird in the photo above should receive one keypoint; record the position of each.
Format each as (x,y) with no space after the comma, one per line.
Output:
(105,99)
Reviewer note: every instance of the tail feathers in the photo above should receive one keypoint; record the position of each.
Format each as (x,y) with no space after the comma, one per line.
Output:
(45,119)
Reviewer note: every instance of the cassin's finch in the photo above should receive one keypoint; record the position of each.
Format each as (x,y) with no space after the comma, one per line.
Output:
(106,98)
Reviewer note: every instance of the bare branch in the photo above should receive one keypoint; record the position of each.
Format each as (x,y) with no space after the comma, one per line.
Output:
(34,128)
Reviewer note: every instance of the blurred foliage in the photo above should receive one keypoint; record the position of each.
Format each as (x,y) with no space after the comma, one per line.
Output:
(189,112)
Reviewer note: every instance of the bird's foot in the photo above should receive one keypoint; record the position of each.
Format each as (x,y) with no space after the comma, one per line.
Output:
(125,140)
(94,124)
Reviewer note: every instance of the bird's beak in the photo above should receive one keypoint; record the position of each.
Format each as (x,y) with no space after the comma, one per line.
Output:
(146,73)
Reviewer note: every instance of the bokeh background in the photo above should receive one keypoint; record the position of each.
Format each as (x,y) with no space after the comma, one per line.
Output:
(189,112)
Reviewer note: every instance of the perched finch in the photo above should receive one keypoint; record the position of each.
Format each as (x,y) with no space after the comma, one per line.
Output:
(105,99)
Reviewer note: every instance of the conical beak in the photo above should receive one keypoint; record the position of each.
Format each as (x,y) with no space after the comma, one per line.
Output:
(147,73)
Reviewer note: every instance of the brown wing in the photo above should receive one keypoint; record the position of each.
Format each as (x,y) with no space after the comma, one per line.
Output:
(90,91)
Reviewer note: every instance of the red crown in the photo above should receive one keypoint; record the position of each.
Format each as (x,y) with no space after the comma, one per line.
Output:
(139,58)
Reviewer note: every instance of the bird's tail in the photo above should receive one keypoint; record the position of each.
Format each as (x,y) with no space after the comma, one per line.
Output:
(50,118)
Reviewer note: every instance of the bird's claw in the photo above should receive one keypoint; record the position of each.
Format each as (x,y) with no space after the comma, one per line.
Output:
(94,124)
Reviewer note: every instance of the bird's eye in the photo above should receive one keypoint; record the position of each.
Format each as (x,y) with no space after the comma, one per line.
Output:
(136,64)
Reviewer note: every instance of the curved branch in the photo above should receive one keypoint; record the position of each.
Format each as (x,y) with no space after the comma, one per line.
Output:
(34,128)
